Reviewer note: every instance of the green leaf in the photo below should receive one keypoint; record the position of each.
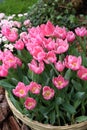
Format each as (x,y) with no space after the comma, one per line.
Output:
(81,118)
(79,95)
(15,102)
(6,85)
(76,84)
(77,103)
(68,74)
(59,100)
(25,80)
(52,117)
(69,108)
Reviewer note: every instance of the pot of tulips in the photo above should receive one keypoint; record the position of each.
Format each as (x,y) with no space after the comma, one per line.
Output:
(45,77)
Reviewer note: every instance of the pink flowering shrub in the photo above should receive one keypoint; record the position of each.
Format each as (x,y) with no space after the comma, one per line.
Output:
(46,77)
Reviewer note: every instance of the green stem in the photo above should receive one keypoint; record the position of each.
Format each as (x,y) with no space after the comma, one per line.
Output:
(82,44)
(54,69)
(57,112)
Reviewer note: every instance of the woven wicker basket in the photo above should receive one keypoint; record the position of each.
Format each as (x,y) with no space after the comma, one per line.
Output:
(34,125)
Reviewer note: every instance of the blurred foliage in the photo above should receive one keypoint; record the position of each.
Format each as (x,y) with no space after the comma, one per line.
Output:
(15,6)
(60,12)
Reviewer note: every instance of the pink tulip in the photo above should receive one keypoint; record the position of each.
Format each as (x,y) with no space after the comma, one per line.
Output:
(60,66)
(47,29)
(73,62)
(19,45)
(81,31)
(12,36)
(70,36)
(60,32)
(20,90)
(30,103)
(36,67)
(38,53)
(1,55)
(61,46)
(48,93)
(5,30)
(3,71)
(82,73)
(34,87)
(49,44)
(60,82)
(50,57)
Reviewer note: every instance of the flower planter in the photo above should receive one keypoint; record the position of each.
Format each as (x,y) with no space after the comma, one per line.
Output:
(34,125)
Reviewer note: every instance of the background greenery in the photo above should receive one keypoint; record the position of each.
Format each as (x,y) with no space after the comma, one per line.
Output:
(15,6)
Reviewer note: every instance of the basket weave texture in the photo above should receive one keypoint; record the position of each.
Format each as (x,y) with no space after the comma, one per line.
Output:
(34,125)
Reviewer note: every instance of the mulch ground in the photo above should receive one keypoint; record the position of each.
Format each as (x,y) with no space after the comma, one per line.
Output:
(7,119)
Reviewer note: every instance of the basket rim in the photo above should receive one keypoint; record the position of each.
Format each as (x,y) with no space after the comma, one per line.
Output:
(36,124)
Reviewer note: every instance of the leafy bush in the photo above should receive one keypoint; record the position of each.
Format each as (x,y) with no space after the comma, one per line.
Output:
(57,11)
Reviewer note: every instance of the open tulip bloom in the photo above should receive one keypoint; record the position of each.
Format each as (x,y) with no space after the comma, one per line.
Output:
(46,74)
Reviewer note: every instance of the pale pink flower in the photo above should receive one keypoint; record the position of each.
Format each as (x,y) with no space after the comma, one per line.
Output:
(70,36)
(3,71)
(5,30)
(20,90)
(27,23)
(17,24)
(48,93)
(60,66)
(60,32)
(50,57)
(2,15)
(30,103)
(36,67)
(22,35)
(82,73)
(61,46)
(34,87)
(73,62)
(60,82)
(81,31)
(19,44)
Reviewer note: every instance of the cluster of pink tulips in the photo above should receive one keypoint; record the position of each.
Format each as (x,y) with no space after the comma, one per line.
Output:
(54,55)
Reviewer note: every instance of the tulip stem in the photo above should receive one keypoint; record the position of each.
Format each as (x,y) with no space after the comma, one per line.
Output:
(54,69)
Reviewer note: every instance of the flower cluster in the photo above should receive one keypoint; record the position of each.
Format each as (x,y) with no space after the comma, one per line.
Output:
(47,75)
(10,28)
